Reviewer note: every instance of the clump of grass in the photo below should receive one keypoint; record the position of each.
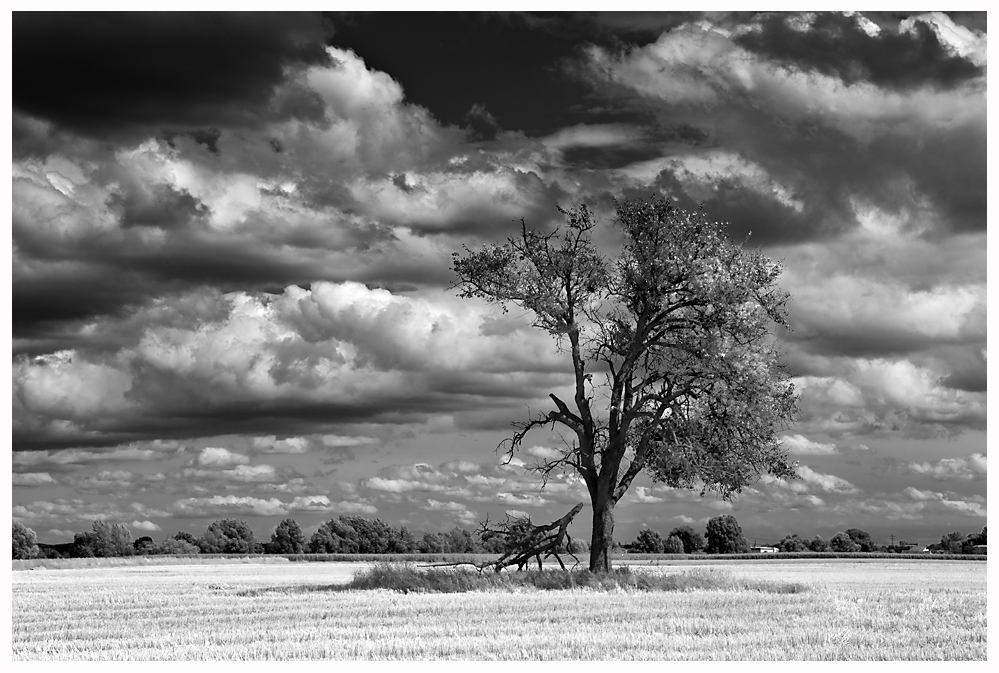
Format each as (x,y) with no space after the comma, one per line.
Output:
(406,578)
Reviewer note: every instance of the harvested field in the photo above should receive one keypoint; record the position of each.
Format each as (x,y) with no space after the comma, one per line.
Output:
(873,610)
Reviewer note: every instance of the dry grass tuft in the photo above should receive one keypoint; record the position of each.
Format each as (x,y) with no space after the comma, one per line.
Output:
(407,578)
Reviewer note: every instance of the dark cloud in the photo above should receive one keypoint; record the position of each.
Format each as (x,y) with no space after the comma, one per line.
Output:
(836,44)
(109,74)
(159,206)
(482,125)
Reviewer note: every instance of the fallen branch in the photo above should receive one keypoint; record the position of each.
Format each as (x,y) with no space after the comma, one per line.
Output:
(525,541)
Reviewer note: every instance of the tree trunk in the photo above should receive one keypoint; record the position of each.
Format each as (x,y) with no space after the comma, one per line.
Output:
(603,533)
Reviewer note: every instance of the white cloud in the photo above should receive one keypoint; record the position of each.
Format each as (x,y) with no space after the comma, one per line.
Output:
(543,452)
(799,445)
(216,456)
(974,466)
(827,482)
(229,505)
(145,525)
(32,479)
(643,495)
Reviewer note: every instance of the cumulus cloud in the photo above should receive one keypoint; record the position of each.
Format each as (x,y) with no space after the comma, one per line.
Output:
(32,479)
(145,526)
(799,445)
(967,468)
(219,457)
(233,505)
(826,482)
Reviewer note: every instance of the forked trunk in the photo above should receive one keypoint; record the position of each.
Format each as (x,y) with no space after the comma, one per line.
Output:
(603,534)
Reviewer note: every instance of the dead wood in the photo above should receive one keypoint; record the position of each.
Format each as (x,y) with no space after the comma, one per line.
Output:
(525,541)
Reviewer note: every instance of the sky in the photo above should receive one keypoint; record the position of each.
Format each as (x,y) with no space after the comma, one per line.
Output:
(232,240)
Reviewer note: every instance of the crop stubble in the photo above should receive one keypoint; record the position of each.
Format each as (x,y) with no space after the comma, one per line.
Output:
(876,610)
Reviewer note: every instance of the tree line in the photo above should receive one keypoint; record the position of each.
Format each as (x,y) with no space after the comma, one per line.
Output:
(724,536)
(346,534)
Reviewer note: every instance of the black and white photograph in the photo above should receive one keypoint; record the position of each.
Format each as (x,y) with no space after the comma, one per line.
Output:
(565,335)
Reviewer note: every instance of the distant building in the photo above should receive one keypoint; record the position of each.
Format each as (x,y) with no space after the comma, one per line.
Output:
(916,549)
(980,548)
(766,550)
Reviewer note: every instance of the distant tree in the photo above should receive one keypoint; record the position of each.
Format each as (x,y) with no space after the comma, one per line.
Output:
(287,538)
(334,537)
(818,544)
(970,542)
(951,543)
(692,540)
(672,339)
(24,544)
(186,537)
(83,545)
(510,534)
(578,546)
(841,542)
(792,543)
(649,542)
(227,536)
(674,545)
(144,546)
(49,552)
(862,538)
(461,541)
(724,536)
(177,547)
(402,542)
(110,539)
(374,536)
(434,543)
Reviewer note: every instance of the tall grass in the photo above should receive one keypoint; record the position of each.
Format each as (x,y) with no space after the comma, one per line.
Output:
(405,578)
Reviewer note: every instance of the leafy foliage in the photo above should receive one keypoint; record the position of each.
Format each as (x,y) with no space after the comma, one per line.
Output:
(24,544)
(792,543)
(725,536)
(862,538)
(674,545)
(227,536)
(103,540)
(287,538)
(692,540)
(842,542)
(178,547)
(679,325)
(649,542)
(818,544)
(144,546)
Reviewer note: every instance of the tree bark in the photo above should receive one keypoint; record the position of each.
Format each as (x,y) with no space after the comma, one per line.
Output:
(603,533)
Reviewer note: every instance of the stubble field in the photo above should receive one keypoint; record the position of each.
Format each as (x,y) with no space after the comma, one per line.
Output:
(873,610)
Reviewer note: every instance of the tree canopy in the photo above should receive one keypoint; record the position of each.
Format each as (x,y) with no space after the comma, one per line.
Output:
(24,544)
(724,535)
(673,337)
(227,536)
(287,538)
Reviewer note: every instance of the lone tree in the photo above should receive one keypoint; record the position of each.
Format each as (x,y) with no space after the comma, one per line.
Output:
(678,327)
